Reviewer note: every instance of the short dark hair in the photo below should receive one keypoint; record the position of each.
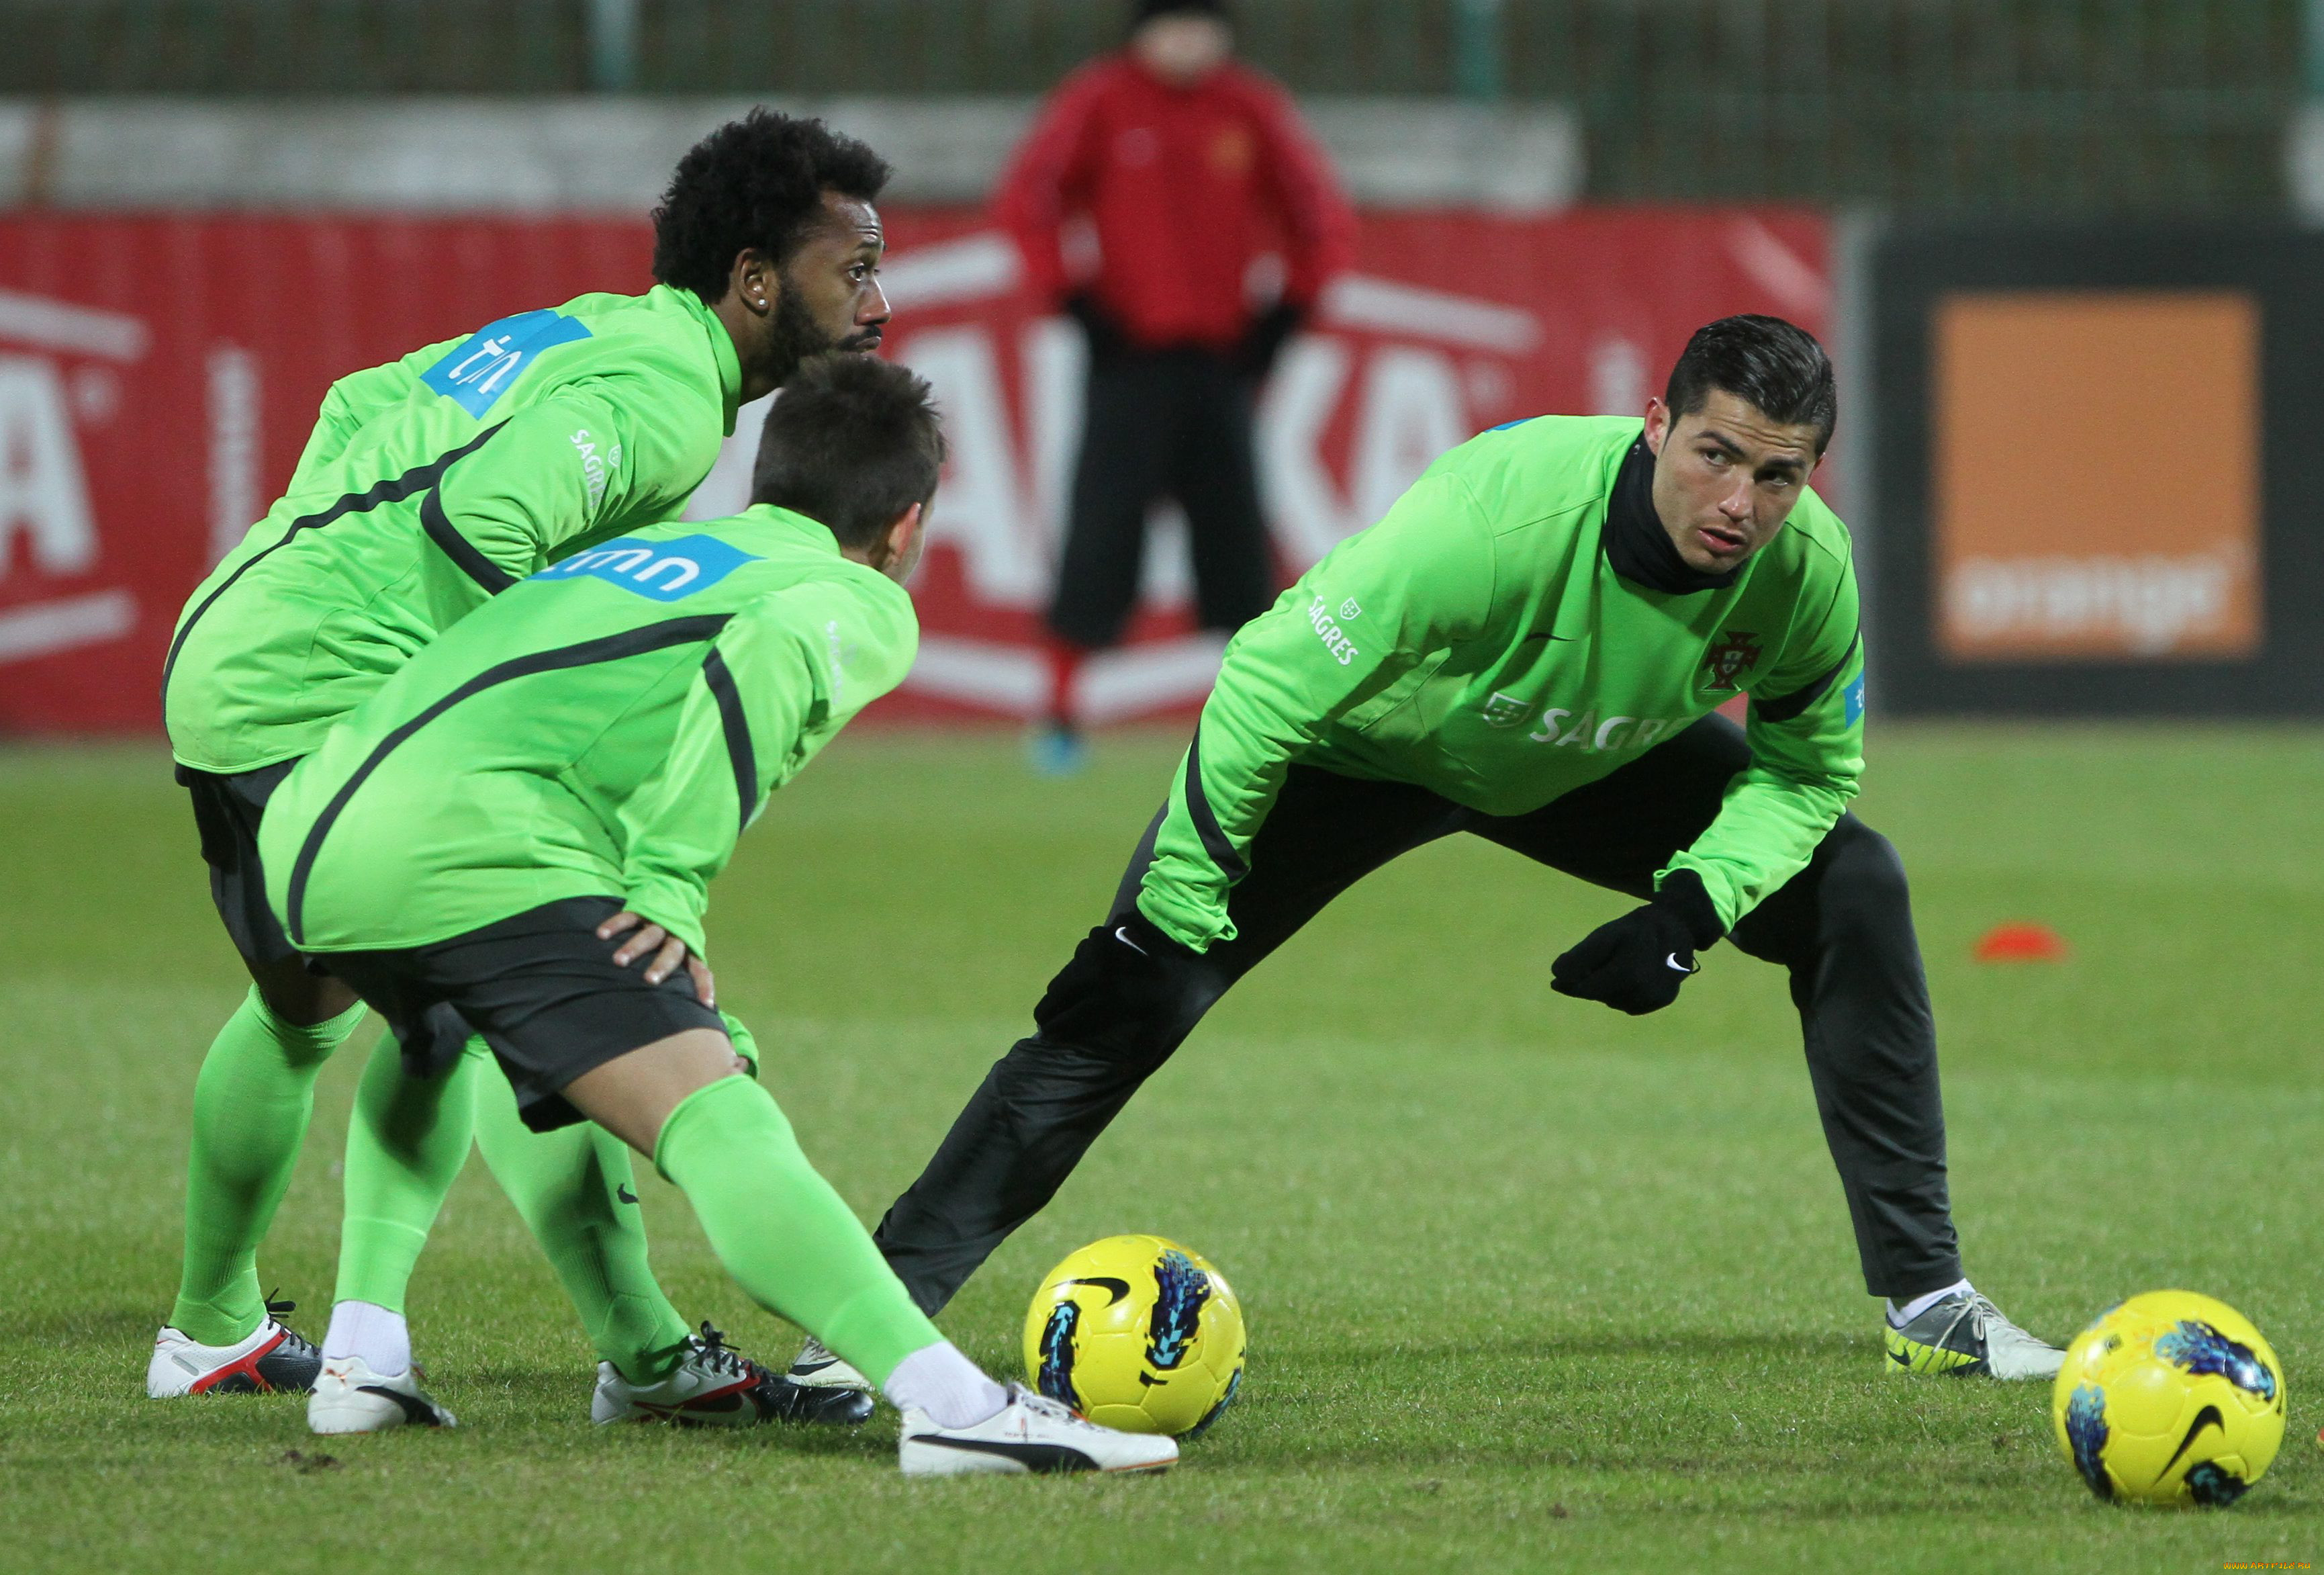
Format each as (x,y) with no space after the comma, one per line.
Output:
(1774,367)
(1142,11)
(754,183)
(852,441)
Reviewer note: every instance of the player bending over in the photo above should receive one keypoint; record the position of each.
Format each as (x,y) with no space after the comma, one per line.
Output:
(431,485)
(1527,648)
(578,758)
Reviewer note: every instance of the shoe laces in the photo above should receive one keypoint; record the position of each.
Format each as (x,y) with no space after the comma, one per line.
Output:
(1976,1308)
(277,1310)
(712,1351)
(1055,1411)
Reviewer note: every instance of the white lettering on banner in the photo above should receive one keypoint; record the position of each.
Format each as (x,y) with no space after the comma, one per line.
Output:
(43,492)
(983,510)
(1617,377)
(1335,639)
(1413,412)
(2153,604)
(1303,502)
(234,400)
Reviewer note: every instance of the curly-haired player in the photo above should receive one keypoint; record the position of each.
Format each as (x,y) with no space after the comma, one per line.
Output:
(431,484)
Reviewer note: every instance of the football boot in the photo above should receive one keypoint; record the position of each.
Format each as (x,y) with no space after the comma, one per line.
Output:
(715,1385)
(274,1359)
(349,1397)
(1031,1434)
(815,1368)
(1966,1334)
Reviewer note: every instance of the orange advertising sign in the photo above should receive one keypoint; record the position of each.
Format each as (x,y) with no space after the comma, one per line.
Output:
(2097,475)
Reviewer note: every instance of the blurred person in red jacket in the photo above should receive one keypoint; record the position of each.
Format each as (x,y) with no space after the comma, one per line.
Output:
(1190,168)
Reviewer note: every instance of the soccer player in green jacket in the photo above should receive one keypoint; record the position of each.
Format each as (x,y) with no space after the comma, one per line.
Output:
(431,485)
(1529,647)
(518,831)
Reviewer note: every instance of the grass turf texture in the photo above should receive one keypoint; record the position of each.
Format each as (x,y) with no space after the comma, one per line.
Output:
(1529,1283)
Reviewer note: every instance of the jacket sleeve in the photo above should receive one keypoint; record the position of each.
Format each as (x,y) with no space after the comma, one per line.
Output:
(776,685)
(1349,643)
(1047,180)
(1806,732)
(1318,223)
(555,471)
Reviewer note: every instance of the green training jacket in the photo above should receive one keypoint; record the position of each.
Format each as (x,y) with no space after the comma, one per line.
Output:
(430,485)
(607,728)
(1478,642)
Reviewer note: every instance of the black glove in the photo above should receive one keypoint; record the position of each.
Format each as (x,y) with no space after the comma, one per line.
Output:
(1105,341)
(1263,341)
(1637,963)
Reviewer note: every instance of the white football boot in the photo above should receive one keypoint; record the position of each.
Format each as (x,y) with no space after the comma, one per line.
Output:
(817,1368)
(349,1397)
(1966,1334)
(715,1385)
(1030,1434)
(273,1359)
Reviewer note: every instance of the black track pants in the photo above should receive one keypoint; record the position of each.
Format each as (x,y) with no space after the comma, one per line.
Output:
(1843,927)
(1163,423)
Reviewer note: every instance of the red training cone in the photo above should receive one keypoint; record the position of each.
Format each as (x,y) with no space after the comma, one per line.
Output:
(2021,943)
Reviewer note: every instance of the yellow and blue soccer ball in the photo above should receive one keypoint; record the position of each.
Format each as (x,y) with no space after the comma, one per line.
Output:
(2170,1398)
(1138,1333)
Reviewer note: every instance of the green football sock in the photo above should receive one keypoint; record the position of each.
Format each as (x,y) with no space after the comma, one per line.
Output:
(782,1232)
(578,1194)
(406,1142)
(251,1105)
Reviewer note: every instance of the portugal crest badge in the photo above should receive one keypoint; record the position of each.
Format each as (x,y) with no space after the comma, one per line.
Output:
(1734,654)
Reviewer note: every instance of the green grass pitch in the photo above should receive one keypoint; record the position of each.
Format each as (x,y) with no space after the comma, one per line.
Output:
(1530,1284)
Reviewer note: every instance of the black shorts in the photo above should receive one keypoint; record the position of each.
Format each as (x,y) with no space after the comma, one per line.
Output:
(540,987)
(226,811)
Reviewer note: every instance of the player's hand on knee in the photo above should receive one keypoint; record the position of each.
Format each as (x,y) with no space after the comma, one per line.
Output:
(1636,963)
(645,938)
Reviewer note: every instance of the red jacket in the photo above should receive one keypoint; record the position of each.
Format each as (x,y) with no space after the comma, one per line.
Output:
(1185,186)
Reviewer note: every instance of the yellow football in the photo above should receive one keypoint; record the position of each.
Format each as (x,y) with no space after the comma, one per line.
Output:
(1138,1333)
(2170,1398)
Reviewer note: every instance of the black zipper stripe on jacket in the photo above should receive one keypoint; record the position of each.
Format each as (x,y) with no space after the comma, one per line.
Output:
(609,648)
(1785,708)
(737,728)
(392,489)
(462,551)
(1206,824)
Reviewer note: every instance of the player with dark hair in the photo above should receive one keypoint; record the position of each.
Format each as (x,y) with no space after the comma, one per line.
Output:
(518,831)
(1529,647)
(431,485)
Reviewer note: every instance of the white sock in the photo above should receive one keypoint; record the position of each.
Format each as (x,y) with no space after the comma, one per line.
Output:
(950,1388)
(366,1329)
(1898,1317)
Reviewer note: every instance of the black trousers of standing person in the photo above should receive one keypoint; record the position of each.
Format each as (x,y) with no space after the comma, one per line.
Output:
(1842,928)
(1163,424)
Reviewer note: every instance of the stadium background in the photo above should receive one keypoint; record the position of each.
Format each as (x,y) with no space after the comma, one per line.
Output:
(1528,1283)
(1995,212)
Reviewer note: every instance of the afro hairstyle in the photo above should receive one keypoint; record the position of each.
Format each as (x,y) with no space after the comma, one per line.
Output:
(756,183)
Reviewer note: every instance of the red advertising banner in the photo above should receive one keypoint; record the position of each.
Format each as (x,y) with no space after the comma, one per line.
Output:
(159,374)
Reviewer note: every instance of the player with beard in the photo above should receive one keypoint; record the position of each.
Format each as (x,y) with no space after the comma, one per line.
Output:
(430,485)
